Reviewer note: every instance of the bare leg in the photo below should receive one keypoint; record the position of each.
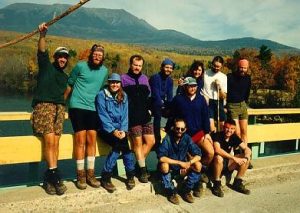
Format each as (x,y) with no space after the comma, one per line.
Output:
(208,150)
(56,139)
(244,130)
(137,146)
(91,138)
(241,169)
(50,152)
(80,141)
(149,142)
(218,167)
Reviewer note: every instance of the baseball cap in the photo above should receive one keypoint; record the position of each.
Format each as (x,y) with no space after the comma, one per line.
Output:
(189,81)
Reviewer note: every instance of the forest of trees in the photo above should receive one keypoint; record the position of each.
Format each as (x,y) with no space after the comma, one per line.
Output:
(274,77)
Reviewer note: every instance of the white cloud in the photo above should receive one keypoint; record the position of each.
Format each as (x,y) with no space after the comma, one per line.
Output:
(276,20)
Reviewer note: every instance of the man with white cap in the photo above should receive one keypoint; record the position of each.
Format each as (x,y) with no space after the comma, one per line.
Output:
(49,108)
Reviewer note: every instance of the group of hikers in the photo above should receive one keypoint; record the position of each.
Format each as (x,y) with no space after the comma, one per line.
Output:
(202,142)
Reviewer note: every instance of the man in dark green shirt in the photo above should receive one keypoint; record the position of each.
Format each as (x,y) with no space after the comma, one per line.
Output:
(49,108)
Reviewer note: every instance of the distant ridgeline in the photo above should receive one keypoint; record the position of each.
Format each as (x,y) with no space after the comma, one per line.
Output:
(118,25)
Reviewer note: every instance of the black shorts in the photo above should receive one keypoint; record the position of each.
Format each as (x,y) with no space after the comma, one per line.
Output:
(83,119)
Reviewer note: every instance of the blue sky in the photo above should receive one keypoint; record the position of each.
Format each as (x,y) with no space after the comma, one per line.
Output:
(277,20)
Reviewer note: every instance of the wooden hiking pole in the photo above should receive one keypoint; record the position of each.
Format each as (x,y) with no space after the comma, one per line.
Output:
(67,12)
(218,108)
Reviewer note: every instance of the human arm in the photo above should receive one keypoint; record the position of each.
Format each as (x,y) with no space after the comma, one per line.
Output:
(248,90)
(155,91)
(221,88)
(42,41)
(124,118)
(224,154)
(182,164)
(67,92)
(246,150)
(103,115)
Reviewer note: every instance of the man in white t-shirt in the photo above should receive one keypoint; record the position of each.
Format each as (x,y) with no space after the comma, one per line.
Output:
(215,83)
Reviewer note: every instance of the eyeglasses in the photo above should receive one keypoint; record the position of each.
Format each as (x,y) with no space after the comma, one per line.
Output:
(180,129)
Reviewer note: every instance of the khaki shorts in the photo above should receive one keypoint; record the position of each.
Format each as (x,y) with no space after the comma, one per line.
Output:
(48,118)
(237,111)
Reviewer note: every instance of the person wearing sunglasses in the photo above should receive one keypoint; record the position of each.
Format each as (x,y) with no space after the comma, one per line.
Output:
(179,156)
(49,108)
(85,81)
(192,107)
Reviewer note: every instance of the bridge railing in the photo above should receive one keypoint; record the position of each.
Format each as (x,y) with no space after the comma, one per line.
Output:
(25,149)
(28,149)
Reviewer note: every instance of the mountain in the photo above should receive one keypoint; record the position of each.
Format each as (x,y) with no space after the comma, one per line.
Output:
(118,25)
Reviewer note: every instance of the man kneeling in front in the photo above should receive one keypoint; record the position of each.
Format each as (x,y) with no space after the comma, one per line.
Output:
(225,142)
(179,155)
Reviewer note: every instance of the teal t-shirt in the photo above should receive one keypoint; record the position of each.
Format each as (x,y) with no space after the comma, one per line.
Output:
(51,82)
(86,83)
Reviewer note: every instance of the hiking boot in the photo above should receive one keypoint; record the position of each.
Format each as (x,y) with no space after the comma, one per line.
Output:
(174,198)
(91,179)
(130,183)
(216,189)
(81,180)
(49,188)
(143,178)
(60,188)
(239,186)
(107,184)
(199,190)
(188,197)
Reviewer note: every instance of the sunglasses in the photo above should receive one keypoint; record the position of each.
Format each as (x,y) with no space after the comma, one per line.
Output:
(179,129)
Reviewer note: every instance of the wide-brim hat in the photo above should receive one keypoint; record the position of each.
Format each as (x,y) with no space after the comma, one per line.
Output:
(61,51)
(114,77)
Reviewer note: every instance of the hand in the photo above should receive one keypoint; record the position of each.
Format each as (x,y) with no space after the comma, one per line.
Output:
(117,134)
(217,83)
(185,165)
(122,134)
(180,81)
(43,28)
(239,161)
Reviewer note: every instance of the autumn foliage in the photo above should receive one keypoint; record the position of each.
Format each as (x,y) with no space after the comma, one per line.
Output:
(274,77)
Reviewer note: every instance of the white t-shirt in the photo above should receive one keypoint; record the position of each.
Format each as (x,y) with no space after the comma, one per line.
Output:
(209,89)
